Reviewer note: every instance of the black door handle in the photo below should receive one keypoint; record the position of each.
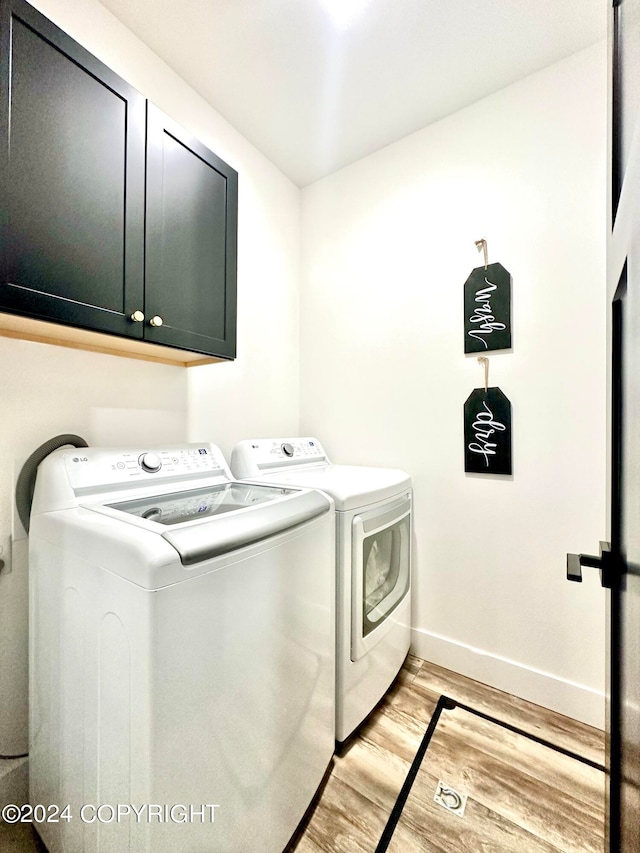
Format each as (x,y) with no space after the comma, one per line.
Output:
(576,562)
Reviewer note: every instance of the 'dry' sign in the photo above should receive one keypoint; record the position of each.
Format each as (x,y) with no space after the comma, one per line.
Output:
(487,432)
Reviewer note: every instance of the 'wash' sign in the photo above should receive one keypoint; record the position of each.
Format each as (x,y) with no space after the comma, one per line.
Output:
(487,432)
(487,309)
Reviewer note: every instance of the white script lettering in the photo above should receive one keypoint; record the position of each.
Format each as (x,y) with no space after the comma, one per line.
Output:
(483,314)
(484,427)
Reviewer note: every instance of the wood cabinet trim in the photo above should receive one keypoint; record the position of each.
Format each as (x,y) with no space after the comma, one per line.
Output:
(39,331)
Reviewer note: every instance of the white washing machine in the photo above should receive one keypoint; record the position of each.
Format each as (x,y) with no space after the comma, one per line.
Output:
(182,653)
(373,557)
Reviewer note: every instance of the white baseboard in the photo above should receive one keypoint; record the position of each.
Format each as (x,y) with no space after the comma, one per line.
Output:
(566,697)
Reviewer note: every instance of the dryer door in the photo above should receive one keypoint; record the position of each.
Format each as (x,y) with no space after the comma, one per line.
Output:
(381,576)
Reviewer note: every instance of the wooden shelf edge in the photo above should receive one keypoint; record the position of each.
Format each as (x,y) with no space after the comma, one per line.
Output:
(39,331)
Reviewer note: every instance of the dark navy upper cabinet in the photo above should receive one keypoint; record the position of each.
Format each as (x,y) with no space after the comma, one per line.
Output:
(192,204)
(81,243)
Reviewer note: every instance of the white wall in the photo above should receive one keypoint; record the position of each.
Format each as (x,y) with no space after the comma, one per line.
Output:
(110,400)
(257,394)
(387,246)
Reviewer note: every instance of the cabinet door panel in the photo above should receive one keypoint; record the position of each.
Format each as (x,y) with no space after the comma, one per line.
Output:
(190,276)
(73,172)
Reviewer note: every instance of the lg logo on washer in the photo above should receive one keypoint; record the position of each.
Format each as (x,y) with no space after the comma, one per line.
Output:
(80,459)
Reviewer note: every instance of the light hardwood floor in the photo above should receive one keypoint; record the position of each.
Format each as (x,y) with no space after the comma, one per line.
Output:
(522,795)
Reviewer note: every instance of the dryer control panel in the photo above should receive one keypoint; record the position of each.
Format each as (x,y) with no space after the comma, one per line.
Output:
(253,456)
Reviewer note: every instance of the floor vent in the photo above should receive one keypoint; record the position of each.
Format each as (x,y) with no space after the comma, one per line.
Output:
(449,799)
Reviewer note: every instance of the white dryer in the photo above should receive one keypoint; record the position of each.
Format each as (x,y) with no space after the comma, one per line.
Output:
(182,652)
(373,562)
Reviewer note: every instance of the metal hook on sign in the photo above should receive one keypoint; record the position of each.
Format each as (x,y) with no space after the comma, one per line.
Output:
(481,246)
(482,359)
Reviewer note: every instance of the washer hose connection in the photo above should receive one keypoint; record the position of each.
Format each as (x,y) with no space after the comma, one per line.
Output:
(26,482)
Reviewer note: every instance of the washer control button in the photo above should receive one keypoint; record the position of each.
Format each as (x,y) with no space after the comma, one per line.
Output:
(287,449)
(150,462)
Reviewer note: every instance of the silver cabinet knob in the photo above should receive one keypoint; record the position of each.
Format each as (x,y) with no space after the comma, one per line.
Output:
(137,317)
(156,321)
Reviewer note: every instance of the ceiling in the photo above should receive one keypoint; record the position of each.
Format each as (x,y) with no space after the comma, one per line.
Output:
(318,84)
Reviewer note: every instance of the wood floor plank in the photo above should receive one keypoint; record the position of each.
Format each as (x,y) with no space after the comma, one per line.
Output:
(307,845)
(344,821)
(562,731)
(407,839)
(373,771)
(413,701)
(395,731)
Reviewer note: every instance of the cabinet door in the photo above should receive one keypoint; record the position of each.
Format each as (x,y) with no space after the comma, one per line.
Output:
(191,242)
(72,175)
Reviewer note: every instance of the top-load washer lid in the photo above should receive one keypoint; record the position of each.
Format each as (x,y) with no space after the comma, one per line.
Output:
(217,519)
(302,462)
(145,514)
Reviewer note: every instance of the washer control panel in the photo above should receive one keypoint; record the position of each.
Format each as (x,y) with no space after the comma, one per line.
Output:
(90,467)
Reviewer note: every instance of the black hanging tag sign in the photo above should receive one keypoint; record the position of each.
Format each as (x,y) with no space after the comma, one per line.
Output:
(487,432)
(487,309)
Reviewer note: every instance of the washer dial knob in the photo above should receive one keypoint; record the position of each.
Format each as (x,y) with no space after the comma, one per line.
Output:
(150,462)
(287,449)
